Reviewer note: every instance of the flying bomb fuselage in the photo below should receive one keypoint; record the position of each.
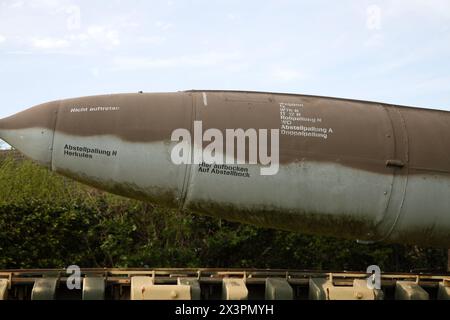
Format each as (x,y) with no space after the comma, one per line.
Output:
(344,168)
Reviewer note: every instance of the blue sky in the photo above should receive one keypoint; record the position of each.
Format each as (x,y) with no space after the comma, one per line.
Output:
(395,51)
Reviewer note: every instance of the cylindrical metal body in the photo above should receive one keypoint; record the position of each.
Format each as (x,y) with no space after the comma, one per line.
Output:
(352,169)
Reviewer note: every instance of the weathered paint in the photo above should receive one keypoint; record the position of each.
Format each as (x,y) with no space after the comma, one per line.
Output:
(35,143)
(369,171)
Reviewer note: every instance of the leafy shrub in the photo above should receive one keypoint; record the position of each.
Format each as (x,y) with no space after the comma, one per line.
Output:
(47,221)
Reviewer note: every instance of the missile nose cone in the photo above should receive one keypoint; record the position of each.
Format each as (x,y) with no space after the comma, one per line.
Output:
(31,131)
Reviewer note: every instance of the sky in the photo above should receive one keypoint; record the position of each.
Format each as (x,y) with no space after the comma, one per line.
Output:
(394,51)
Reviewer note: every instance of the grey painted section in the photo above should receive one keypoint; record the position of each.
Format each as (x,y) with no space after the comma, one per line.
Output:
(393,205)
(35,143)
(145,168)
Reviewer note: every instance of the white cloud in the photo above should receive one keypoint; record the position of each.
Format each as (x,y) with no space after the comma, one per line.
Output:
(2,39)
(434,84)
(375,40)
(373,24)
(37,4)
(422,8)
(373,21)
(104,34)
(16,4)
(73,21)
(233,16)
(151,40)
(201,60)
(95,72)
(78,37)
(50,43)
(285,74)
(48,3)
(388,67)
(164,26)
(55,25)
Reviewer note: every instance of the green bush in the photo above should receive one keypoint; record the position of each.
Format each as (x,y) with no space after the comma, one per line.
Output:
(47,221)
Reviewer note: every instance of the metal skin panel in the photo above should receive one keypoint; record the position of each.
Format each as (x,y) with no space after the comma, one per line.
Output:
(31,131)
(37,143)
(137,169)
(316,189)
(349,169)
